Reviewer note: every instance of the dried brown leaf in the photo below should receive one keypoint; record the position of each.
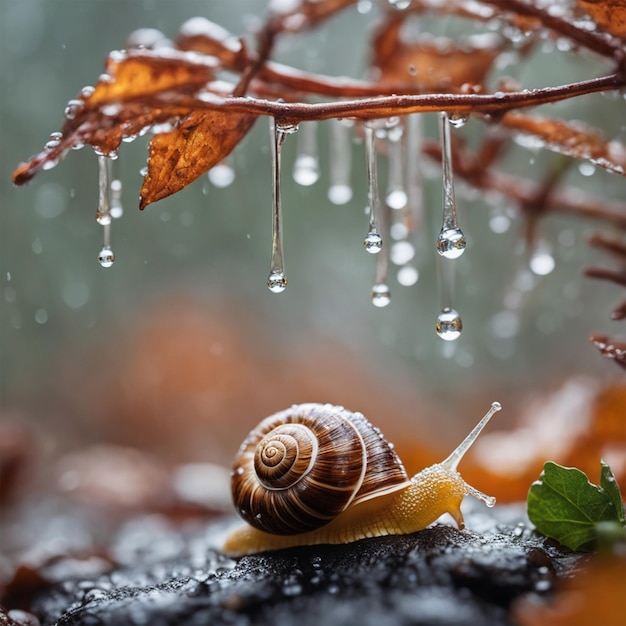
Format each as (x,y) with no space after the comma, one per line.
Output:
(609,15)
(201,35)
(574,138)
(180,156)
(136,91)
(432,65)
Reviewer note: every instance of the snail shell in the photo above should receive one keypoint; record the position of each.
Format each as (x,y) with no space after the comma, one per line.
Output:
(300,468)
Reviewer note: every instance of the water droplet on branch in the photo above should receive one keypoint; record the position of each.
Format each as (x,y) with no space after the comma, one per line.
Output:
(277,280)
(457,120)
(449,325)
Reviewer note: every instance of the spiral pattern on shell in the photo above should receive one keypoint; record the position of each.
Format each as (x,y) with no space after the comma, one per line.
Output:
(300,468)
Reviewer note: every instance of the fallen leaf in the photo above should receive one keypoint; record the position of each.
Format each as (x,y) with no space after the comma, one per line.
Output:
(198,143)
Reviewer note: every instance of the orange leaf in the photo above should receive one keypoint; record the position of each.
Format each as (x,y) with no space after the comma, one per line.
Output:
(574,139)
(609,15)
(180,156)
(433,65)
(138,89)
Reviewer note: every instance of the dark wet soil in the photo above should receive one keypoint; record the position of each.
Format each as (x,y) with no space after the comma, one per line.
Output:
(158,573)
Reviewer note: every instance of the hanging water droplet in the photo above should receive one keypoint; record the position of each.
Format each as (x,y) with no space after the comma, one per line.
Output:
(542,262)
(401,252)
(340,162)
(407,275)
(413,167)
(106,256)
(306,170)
(373,242)
(103,214)
(457,120)
(340,194)
(276,282)
(451,243)
(396,196)
(221,175)
(73,108)
(306,165)
(116,209)
(499,221)
(381,296)
(586,168)
(87,91)
(449,325)
(398,230)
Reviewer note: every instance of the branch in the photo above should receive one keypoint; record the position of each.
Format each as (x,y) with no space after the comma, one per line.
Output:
(389,106)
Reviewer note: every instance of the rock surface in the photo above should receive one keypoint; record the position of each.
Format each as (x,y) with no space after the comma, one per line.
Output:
(157,573)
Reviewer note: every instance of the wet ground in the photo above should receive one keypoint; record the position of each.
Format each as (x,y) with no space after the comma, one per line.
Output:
(158,572)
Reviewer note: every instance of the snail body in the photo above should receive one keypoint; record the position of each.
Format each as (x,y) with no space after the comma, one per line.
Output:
(319,474)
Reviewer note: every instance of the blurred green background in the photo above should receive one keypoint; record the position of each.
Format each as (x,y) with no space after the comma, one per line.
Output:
(71,330)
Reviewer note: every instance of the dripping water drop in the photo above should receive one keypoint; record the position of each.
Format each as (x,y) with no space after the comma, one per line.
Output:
(542,262)
(221,175)
(116,209)
(401,252)
(381,296)
(106,257)
(306,170)
(449,325)
(407,275)
(277,282)
(396,199)
(373,242)
(340,193)
(451,243)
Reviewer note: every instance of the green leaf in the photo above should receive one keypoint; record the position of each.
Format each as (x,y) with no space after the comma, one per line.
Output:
(611,488)
(565,506)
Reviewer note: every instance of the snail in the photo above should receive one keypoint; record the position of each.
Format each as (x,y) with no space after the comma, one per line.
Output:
(320,474)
